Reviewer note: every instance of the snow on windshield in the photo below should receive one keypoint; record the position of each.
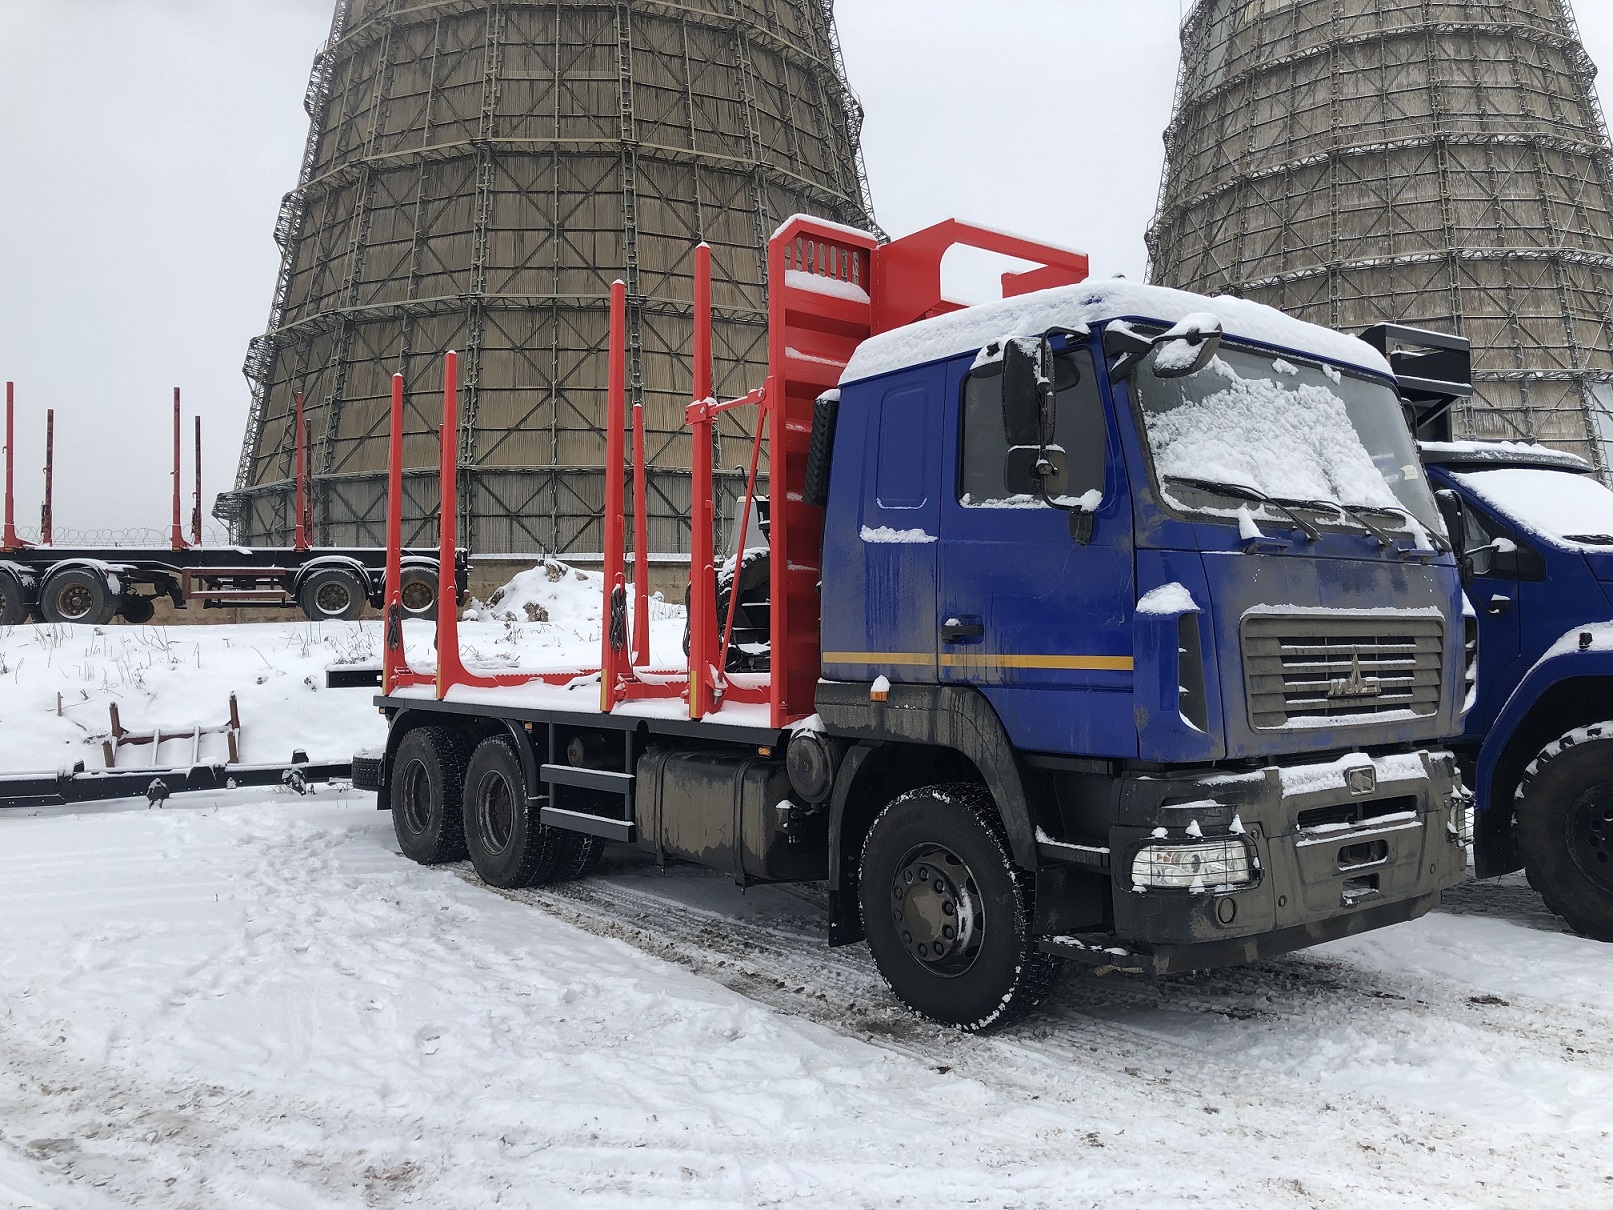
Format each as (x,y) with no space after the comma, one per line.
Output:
(1283,438)
(1554,503)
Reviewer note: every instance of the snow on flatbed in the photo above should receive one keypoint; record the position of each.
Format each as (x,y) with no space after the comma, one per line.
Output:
(256,1001)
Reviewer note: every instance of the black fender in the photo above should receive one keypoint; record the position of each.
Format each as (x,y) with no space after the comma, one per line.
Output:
(325,562)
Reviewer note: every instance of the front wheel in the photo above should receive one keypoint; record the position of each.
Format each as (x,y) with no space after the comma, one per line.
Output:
(947,913)
(428,781)
(79,596)
(1564,820)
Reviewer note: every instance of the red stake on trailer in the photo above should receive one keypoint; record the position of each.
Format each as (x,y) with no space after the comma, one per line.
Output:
(702,575)
(613,640)
(8,536)
(196,511)
(177,536)
(47,517)
(395,670)
(300,540)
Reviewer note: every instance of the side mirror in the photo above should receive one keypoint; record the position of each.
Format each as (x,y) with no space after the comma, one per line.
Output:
(1128,347)
(1481,561)
(1450,509)
(1188,347)
(1028,468)
(1027,390)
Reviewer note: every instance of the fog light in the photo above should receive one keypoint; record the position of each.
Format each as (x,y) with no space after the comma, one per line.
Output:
(1204,865)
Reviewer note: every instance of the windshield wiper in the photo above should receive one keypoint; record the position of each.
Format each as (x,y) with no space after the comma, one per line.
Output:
(1355,514)
(1591,539)
(1240,491)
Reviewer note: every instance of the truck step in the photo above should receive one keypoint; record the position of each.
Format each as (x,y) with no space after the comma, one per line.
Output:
(589,779)
(620,830)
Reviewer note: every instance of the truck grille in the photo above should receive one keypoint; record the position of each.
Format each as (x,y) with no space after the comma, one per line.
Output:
(1311,671)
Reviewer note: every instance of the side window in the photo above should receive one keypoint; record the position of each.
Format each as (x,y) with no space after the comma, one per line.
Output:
(904,418)
(1080,432)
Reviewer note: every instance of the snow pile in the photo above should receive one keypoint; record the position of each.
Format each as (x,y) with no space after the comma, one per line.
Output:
(1293,441)
(969,330)
(556,594)
(1334,775)
(1167,599)
(884,534)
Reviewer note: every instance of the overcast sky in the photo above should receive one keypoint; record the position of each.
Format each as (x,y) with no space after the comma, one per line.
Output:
(145,145)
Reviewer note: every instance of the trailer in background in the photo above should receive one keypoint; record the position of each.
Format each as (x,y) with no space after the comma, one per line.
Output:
(93,584)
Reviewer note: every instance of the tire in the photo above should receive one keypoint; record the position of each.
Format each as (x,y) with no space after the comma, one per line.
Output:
(507,844)
(1564,821)
(418,587)
(13,606)
(78,597)
(333,594)
(953,829)
(137,611)
(366,773)
(581,854)
(428,782)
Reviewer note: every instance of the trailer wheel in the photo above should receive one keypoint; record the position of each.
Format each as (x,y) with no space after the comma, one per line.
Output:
(78,596)
(418,588)
(13,607)
(137,611)
(508,846)
(428,780)
(948,914)
(582,853)
(1564,820)
(332,594)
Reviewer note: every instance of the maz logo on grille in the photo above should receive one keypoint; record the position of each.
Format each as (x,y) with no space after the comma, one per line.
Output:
(1354,685)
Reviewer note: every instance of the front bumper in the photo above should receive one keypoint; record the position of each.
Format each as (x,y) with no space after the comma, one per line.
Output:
(1329,859)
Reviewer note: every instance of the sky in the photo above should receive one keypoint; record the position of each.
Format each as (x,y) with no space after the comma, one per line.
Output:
(145,146)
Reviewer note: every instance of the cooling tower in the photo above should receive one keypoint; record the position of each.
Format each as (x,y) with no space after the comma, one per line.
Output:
(476,176)
(1443,163)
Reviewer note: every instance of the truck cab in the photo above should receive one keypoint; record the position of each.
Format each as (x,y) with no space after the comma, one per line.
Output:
(1536,526)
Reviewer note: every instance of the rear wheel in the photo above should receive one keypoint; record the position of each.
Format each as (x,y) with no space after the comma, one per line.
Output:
(78,596)
(582,853)
(1564,821)
(418,588)
(331,595)
(947,913)
(508,845)
(428,782)
(13,607)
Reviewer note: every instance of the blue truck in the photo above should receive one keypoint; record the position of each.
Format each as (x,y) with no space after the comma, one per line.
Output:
(1130,631)
(1535,526)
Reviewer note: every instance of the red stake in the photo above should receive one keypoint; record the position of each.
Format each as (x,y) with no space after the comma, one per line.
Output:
(641,545)
(612,655)
(702,575)
(47,516)
(8,536)
(300,540)
(392,659)
(177,536)
(196,512)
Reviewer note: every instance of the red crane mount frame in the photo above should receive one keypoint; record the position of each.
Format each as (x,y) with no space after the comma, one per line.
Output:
(831,288)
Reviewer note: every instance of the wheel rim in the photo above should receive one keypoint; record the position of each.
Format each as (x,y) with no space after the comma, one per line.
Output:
(1590,835)
(937,909)
(418,597)
(74,602)
(415,790)
(495,812)
(333,597)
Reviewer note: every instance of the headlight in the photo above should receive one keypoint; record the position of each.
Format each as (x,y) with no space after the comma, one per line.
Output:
(1203,865)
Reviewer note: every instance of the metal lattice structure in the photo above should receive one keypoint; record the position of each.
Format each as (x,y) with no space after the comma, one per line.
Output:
(477,173)
(1443,163)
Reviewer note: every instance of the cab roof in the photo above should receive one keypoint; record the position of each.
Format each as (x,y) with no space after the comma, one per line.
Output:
(1494,455)
(1097,302)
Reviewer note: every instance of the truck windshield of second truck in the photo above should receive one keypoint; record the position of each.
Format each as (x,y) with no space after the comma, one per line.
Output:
(1286,441)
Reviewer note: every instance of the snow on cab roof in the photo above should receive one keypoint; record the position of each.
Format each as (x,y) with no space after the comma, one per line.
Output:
(1500,453)
(969,330)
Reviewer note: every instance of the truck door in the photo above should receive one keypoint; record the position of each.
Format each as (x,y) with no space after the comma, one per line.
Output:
(890,561)
(1039,621)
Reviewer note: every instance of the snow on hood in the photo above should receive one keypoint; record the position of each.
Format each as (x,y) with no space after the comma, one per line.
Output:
(1098,302)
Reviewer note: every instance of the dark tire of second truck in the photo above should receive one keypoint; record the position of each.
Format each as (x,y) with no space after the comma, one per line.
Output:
(508,845)
(947,912)
(428,780)
(13,606)
(332,594)
(78,596)
(1564,822)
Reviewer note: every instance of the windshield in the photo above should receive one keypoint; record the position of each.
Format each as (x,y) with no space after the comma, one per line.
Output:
(1303,435)
(1571,508)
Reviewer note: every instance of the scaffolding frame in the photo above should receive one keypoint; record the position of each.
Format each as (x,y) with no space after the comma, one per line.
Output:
(1442,163)
(477,174)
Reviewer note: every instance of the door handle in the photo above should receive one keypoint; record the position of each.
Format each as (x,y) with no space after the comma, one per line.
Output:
(962,630)
(1498,606)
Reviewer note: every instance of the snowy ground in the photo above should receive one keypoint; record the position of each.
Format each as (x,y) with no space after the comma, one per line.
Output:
(254,1001)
